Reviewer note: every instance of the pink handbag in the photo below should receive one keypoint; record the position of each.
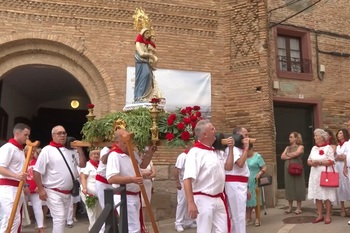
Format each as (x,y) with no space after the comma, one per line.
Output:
(329,179)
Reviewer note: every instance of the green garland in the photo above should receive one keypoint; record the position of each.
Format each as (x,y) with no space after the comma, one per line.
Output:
(91,201)
(138,121)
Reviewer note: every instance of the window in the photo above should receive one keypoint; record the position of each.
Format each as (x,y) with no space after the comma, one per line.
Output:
(293,51)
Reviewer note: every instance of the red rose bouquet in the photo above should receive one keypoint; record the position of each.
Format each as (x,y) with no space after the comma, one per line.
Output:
(177,128)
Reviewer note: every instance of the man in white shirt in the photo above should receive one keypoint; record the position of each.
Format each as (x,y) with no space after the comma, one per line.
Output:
(121,171)
(237,182)
(204,181)
(53,177)
(12,160)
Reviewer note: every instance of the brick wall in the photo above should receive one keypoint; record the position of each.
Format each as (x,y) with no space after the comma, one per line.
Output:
(226,38)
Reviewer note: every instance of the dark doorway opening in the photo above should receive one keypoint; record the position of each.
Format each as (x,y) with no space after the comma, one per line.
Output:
(288,118)
(47,118)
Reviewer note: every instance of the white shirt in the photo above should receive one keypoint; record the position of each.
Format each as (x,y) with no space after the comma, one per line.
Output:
(206,168)
(90,171)
(12,158)
(237,171)
(121,165)
(54,171)
(180,164)
(101,169)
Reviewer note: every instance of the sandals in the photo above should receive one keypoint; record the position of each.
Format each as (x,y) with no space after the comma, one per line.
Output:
(297,212)
(287,211)
(257,223)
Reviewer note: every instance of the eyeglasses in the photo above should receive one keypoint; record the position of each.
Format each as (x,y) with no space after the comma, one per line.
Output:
(61,133)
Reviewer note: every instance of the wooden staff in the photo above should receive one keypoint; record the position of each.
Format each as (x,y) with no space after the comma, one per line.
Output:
(126,137)
(90,144)
(30,145)
(257,208)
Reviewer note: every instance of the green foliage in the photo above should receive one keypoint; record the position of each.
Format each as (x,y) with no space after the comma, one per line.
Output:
(137,121)
(91,201)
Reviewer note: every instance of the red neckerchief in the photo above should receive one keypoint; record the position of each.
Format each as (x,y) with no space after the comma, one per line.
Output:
(341,143)
(15,143)
(186,151)
(140,39)
(57,145)
(322,145)
(115,148)
(95,164)
(200,145)
(151,43)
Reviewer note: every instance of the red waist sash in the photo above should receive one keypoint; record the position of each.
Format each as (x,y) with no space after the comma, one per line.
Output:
(234,178)
(61,191)
(101,179)
(4,181)
(223,198)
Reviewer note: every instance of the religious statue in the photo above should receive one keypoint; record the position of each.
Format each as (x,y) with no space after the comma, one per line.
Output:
(145,59)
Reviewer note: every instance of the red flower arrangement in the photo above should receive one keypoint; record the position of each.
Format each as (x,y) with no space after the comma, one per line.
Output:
(155,101)
(90,106)
(321,152)
(178,127)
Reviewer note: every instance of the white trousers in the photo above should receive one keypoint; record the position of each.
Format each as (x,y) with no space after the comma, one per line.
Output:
(92,214)
(182,218)
(7,199)
(58,203)
(37,206)
(212,217)
(133,205)
(100,188)
(70,214)
(237,199)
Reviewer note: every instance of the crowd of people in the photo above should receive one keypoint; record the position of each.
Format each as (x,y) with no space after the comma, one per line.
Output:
(330,153)
(216,184)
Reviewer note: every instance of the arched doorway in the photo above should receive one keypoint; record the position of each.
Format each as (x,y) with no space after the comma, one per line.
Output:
(41,74)
(40,95)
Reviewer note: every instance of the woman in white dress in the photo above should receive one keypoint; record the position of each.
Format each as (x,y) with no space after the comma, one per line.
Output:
(342,153)
(148,175)
(321,156)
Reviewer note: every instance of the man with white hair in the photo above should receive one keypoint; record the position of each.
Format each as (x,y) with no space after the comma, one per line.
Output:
(53,177)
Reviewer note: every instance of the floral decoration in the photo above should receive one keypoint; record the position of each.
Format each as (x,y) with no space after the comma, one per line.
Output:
(155,100)
(90,106)
(321,152)
(178,127)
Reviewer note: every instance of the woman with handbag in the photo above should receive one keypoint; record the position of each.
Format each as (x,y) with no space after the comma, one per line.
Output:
(322,188)
(293,172)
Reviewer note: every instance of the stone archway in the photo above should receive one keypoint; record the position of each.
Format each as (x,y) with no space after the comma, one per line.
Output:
(37,48)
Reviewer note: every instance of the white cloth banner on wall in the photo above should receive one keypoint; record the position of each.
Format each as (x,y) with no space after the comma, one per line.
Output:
(180,88)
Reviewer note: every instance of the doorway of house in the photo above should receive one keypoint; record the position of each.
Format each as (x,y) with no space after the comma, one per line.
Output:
(291,117)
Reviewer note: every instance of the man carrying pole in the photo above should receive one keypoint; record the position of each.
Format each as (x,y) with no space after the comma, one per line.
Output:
(120,170)
(12,159)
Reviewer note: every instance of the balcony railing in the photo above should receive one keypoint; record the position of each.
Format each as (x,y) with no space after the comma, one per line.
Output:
(293,64)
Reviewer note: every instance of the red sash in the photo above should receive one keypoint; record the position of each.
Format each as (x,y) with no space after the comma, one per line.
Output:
(101,179)
(223,198)
(61,191)
(4,181)
(234,178)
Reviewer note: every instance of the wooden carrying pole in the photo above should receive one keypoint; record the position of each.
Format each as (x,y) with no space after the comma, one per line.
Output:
(31,146)
(126,137)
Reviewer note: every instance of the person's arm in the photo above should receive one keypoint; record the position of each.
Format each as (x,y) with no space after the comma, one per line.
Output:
(299,151)
(148,157)
(118,179)
(39,184)
(104,158)
(177,178)
(345,169)
(83,181)
(229,160)
(82,158)
(153,172)
(284,154)
(241,161)
(192,207)
(6,172)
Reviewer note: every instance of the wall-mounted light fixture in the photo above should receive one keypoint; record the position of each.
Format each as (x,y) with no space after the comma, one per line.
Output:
(74,103)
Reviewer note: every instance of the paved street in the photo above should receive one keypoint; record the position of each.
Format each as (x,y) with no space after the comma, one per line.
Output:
(272,222)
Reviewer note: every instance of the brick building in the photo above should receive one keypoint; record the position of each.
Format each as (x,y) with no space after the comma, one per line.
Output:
(269,75)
